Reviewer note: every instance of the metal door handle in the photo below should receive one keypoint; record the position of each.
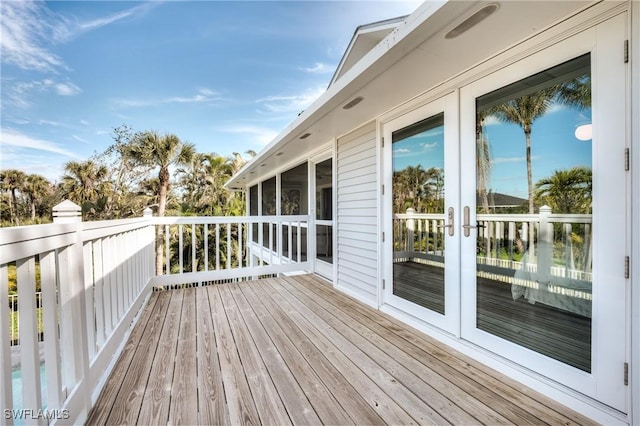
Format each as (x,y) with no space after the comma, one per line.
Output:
(449,225)
(465,225)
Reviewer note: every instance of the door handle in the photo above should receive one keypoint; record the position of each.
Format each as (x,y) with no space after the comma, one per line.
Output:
(465,224)
(450,223)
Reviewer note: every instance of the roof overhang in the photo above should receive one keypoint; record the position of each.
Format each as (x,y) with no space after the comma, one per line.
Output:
(412,59)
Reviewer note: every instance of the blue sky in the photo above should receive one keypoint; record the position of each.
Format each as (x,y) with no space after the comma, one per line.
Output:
(226,76)
(554,146)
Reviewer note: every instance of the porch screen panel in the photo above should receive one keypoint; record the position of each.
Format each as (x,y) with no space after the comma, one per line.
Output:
(534,180)
(269,209)
(253,211)
(294,200)
(324,211)
(418,207)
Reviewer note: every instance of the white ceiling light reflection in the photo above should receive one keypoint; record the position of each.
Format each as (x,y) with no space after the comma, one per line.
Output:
(584,132)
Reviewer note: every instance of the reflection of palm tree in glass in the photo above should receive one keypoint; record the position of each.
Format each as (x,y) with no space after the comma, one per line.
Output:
(483,160)
(566,191)
(524,111)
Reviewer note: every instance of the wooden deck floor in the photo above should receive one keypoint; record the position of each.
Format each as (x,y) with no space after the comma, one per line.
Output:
(294,351)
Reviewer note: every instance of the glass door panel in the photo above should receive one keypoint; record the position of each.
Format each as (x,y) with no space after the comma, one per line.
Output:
(534,210)
(544,226)
(419,213)
(422,267)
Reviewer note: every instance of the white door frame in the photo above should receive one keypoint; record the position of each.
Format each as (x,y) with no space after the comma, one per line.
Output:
(610,221)
(448,322)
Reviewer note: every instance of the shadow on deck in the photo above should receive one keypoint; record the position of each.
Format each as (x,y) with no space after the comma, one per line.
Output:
(293,350)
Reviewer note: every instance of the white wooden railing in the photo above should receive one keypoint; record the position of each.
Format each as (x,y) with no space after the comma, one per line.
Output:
(95,277)
(208,249)
(545,244)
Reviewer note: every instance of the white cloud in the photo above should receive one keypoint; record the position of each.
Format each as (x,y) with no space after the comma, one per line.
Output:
(21,94)
(79,139)
(25,29)
(401,151)
(261,135)
(502,160)
(202,96)
(319,68)
(67,89)
(29,29)
(428,146)
(492,120)
(39,164)
(48,123)
(84,122)
(291,103)
(107,20)
(10,137)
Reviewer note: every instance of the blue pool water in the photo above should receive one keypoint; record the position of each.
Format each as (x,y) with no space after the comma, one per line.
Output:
(16,381)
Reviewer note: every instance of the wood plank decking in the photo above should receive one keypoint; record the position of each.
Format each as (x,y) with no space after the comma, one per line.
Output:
(294,351)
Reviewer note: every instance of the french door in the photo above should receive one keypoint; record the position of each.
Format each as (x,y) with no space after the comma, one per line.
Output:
(422,174)
(522,254)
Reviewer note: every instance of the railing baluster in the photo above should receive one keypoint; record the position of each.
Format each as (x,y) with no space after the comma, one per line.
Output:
(568,251)
(217,246)
(228,245)
(120,248)
(29,352)
(240,254)
(180,248)
(87,252)
(512,237)
(50,325)
(271,243)
(193,248)
(206,247)
(167,250)
(98,294)
(6,388)
(290,242)
(299,242)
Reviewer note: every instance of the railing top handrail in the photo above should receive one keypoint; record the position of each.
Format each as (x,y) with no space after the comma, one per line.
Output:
(17,234)
(212,220)
(105,228)
(418,215)
(496,217)
(528,217)
(99,224)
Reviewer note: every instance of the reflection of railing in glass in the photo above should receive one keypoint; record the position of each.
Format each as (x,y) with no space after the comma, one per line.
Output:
(556,265)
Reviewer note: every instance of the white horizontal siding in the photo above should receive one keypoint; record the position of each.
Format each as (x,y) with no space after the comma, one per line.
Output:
(357,214)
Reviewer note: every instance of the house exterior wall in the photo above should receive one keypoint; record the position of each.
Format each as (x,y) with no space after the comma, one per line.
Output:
(357,214)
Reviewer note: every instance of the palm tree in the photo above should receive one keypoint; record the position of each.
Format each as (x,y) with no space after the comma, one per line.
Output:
(152,150)
(13,181)
(567,191)
(36,188)
(85,183)
(524,111)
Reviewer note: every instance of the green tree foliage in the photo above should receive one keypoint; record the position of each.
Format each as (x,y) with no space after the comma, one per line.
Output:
(420,189)
(25,199)
(86,184)
(566,191)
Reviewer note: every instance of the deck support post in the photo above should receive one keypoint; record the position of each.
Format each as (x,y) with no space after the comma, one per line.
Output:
(73,307)
(545,246)
(411,226)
